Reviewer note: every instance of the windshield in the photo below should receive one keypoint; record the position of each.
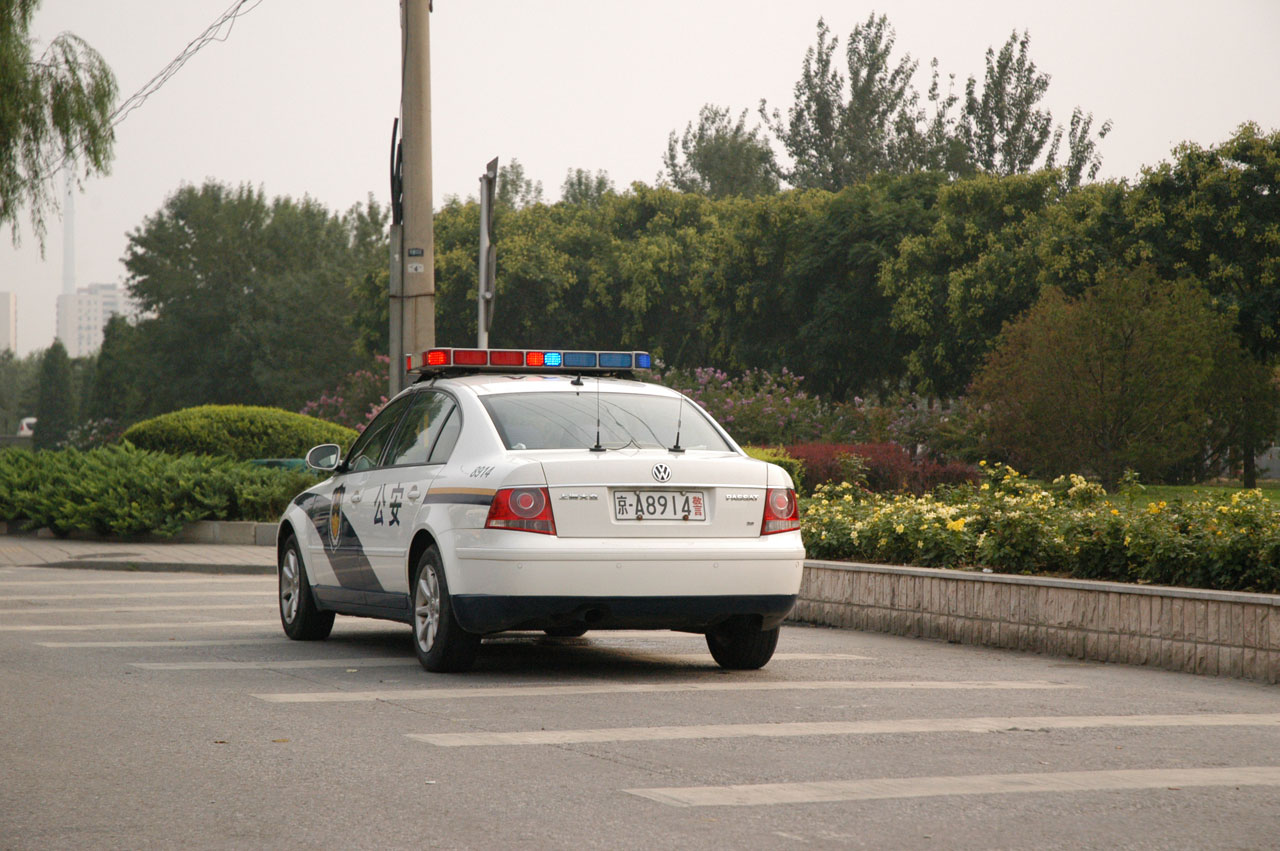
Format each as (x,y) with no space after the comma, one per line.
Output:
(568,421)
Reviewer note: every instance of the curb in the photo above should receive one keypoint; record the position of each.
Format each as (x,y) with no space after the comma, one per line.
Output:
(236,532)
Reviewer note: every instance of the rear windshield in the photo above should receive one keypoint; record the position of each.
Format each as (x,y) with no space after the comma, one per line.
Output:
(568,421)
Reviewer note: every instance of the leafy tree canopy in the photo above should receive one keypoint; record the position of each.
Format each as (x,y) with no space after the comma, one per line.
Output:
(866,118)
(1114,380)
(55,107)
(582,187)
(720,157)
(245,295)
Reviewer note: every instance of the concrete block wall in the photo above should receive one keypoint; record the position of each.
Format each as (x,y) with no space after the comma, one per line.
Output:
(1220,633)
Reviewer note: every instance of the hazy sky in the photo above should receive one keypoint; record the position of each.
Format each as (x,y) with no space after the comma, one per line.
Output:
(300,98)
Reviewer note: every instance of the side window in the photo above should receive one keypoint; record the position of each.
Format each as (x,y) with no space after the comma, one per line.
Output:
(448,437)
(427,414)
(368,448)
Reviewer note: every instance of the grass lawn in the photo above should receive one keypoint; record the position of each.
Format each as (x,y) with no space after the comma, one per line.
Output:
(1169,493)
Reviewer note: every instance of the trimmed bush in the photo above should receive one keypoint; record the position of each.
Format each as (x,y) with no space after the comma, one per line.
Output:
(123,490)
(1226,542)
(242,432)
(778,455)
(880,467)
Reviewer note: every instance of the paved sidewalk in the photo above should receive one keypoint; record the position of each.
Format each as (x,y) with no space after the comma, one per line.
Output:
(24,551)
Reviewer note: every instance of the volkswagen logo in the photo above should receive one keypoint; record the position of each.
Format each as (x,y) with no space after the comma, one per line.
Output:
(661,472)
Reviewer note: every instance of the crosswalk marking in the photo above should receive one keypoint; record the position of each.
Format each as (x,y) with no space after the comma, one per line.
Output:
(95,627)
(98,610)
(134,595)
(649,688)
(371,662)
(198,642)
(159,579)
(842,728)
(975,784)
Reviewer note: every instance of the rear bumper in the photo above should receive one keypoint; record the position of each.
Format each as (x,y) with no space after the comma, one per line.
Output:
(484,614)
(501,579)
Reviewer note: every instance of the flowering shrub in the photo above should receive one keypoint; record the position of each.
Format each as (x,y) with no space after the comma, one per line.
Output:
(1072,527)
(356,400)
(756,407)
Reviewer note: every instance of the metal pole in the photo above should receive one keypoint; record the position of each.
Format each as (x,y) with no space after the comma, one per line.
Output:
(485,277)
(416,257)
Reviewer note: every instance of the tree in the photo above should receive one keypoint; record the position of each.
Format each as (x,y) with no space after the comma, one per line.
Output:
(954,287)
(248,296)
(1214,213)
(1111,381)
(56,107)
(837,139)
(582,187)
(1004,129)
(18,382)
(55,404)
(847,344)
(720,157)
(514,189)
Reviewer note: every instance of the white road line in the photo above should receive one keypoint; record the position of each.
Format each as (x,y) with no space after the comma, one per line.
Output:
(199,642)
(108,627)
(649,688)
(98,610)
(136,595)
(372,662)
(843,728)
(159,579)
(974,784)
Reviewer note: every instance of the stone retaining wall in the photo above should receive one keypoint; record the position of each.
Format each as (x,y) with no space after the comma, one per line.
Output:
(1206,632)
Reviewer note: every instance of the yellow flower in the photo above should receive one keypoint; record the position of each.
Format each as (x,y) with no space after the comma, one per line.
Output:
(956,525)
(1115,511)
(986,486)
(900,528)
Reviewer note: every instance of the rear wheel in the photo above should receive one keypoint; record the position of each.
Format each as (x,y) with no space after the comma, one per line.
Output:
(442,645)
(301,618)
(739,644)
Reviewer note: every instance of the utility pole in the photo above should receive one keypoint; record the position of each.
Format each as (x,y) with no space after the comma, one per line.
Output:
(413,289)
(488,256)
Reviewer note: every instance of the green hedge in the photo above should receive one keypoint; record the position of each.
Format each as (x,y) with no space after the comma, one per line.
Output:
(237,431)
(123,490)
(778,455)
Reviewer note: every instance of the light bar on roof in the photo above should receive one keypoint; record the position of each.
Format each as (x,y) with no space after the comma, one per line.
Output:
(526,360)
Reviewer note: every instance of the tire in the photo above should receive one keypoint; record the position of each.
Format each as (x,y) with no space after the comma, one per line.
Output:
(739,644)
(576,631)
(442,645)
(301,618)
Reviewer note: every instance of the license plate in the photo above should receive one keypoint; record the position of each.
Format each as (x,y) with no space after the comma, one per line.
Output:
(659,505)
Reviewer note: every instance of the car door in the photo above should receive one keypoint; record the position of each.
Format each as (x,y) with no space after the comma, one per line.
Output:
(394,491)
(344,529)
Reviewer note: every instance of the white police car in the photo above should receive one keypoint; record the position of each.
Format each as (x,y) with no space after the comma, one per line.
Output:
(543,490)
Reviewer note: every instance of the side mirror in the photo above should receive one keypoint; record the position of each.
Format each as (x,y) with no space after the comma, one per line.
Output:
(325,457)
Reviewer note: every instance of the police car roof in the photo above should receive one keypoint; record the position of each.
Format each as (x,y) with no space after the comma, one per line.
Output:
(489,383)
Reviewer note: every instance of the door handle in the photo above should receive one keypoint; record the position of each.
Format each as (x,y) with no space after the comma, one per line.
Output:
(357,496)
(413,493)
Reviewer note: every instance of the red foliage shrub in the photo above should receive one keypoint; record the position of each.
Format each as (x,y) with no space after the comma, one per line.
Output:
(881,467)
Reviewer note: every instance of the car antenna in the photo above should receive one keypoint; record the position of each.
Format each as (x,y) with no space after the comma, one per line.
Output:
(679,420)
(597,447)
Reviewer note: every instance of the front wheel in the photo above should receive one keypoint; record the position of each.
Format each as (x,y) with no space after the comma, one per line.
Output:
(739,644)
(301,618)
(442,645)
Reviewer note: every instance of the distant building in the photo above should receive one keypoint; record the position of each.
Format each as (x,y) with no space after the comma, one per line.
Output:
(9,322)
(83,314)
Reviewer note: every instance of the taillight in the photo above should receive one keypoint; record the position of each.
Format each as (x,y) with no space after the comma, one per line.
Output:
(781,511)
(523,509)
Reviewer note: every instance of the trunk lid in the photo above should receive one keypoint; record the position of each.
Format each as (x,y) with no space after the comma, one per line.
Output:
(649,493)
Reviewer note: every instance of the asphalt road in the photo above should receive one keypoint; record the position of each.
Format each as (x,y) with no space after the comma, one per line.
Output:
(164,710)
